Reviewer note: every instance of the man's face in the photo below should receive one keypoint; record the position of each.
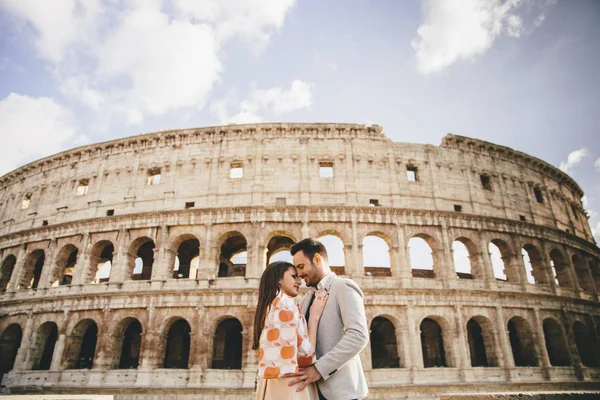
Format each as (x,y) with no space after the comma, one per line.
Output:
(306,269)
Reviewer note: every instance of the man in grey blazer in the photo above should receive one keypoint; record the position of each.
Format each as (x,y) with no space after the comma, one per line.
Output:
(342,331)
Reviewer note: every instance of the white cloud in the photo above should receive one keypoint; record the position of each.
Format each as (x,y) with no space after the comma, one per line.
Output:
(596,232)
(59,23)
(275,101)
(133,59)
(33,128)
(597,164)
(249,20)
(584,201)
(462,30)
(573,159)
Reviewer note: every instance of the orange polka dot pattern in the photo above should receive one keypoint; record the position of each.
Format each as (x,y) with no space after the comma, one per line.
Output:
(284,343)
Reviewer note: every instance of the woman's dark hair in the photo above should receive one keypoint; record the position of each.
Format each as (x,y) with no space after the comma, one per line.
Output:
(267,291)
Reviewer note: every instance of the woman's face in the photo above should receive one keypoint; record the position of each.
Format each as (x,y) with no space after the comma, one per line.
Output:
(290,282)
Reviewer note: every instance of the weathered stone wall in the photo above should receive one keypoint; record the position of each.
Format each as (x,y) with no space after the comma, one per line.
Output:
(282,161)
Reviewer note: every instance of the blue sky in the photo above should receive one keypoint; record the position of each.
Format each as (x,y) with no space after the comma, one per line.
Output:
(520,73)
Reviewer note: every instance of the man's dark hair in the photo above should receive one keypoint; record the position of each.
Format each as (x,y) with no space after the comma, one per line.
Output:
(310,247)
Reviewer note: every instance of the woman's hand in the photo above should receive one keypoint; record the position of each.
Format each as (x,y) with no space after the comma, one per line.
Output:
(316,310)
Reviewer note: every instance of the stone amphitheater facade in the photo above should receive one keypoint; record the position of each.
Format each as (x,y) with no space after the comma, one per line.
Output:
(203,196)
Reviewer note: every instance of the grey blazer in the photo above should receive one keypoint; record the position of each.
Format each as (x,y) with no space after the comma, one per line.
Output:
(341,335)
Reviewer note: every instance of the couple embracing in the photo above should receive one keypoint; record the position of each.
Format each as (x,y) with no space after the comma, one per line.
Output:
(309,351)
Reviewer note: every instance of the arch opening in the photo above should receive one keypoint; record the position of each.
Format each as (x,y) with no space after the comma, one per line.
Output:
(432,344)
(376,256)
(142,268)
(6,272)
(586,344)
(384,348)
(43,346)
(234,245)
(101,262)
(227,345)
(335,252)
(177,352)
(132,341)
(81,349)
(421,258)
(10,341)
(556,343)
(32,269)
(187,260)
(521,342)
(534,265)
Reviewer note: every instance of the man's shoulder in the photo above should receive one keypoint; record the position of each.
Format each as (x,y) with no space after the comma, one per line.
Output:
(341,283)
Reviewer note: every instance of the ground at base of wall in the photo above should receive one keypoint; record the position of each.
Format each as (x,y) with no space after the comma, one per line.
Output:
(525,396)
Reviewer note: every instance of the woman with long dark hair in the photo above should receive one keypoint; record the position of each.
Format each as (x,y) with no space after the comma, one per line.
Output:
(281,334)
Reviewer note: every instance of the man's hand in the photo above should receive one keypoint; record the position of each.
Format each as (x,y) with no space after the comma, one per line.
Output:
(306,376)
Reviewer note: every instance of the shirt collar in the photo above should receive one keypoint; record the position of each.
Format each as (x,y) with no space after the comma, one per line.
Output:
(326,281)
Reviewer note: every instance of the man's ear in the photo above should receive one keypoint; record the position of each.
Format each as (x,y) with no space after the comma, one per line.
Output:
(317,259)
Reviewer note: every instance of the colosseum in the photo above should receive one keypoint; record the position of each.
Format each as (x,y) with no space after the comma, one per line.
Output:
(131,267)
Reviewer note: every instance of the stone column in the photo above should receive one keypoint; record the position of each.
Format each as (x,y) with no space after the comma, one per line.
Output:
(359,269)
(463,343)
(350,172)
(196,324)
(49,269)
(447,268)
(120,266)
(151,344)
(23,352)
(402,265)
(414,338)
(486,261)
(207,268)
(572,273)
(305,230)
(547,266)
(161,270)
(540,343)
(506,359)
(519,264)
(57,355)
(83,261)
(15,278)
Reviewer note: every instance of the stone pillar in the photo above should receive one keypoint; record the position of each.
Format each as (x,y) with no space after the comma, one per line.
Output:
(83,261)
(256,262)
(402,266)
(506,359)
(161,270)
(547,266)
(350,172)
(57,355)
(305,230)
(519,264)
(486,261)
(23,352)
(15,278)
(151,343)
(462,343)
(572,273)
(120,265)
(349,258)
(359,269)
(207,268)
(49,269)
(540,344)
(196,324)
(414,338)
(447,268)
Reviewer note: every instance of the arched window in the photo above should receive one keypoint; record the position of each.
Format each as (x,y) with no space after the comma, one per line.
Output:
(521,341)
(6,272)
(432,344)
(10,341)
(234,244)
(556,344)
(278,249)
(132,341)
(81,349)
(335,253)
(43,346)
(376,256)
(582,273)
(177,352)
(480,334)
(421,258)
(497,262)
(534,265)
(144,251)
(384,349)
(186,261)
(586,345)
(65,266)
(32,269)
(101,262)
(462,260)
(227,345)
(560,268)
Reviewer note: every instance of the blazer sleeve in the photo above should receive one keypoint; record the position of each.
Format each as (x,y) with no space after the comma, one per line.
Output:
(356,336)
